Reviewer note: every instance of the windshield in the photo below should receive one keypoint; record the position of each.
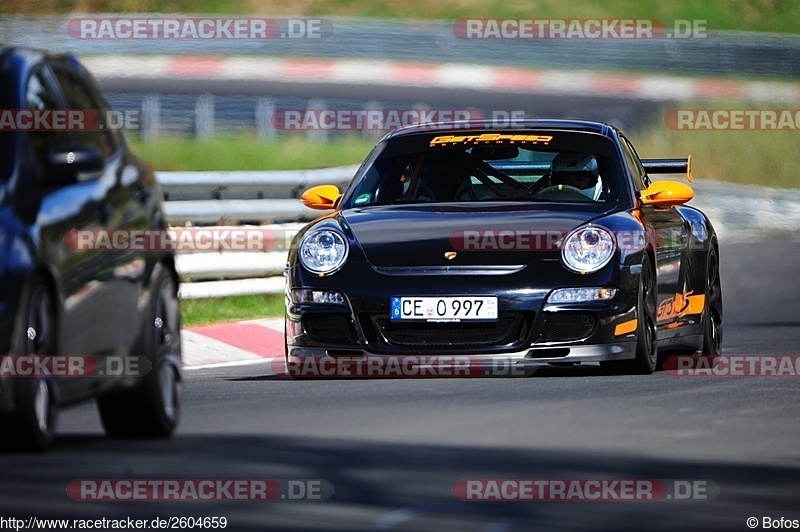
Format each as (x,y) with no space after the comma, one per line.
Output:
(465,167)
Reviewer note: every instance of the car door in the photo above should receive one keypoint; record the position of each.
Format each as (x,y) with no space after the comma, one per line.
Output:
(97,305)
(120,211)
(670,233)
(59,207)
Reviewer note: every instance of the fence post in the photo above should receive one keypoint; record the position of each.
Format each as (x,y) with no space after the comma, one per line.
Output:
(316,106)
(204,117)
(367,132)
(151,117)
(265,109)
(421,108)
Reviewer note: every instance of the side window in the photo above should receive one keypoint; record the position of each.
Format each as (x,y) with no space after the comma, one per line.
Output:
(640,179)
(38,97)
(79,96)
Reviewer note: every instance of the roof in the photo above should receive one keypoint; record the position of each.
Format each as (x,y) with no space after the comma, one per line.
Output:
(32,55)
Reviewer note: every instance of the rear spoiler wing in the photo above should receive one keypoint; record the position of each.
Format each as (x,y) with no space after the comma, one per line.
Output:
(669,166)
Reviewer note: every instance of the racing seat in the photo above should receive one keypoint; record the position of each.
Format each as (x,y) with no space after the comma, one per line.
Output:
(443,175)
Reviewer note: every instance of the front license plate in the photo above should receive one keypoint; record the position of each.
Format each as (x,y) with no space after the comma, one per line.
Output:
(444,308)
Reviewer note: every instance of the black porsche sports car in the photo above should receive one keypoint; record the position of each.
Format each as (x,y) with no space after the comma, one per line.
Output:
(545,242)
(78,323)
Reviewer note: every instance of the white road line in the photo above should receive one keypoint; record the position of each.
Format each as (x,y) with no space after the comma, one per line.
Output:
(235,363)
(200,350)
(276,324)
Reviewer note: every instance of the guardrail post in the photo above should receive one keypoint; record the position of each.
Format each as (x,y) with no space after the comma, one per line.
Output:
(265,109)
(373,113)
(317,106)
(204,117)
(151,117)
(420,109)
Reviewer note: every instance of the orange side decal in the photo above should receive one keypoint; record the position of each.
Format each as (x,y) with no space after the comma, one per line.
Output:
(680,305)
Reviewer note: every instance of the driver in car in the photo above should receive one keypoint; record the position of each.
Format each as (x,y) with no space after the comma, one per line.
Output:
(577,170)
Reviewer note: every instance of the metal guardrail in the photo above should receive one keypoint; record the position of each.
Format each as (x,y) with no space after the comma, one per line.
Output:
(244,197)
(203,198)
(231,265)
(249,185)
(236,211)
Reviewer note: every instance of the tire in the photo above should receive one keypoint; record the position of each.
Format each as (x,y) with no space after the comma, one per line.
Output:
(31,426)
(152,408)
(646,358)
(712,313)
(286,347)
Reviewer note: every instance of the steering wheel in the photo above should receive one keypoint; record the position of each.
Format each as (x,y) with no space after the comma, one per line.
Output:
(566,192)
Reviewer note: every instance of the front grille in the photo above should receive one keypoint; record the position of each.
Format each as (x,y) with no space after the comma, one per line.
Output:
(567,326)
(504,331)
(331,328)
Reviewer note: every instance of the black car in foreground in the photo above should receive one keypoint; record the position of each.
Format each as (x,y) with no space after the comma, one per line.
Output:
(466,244)
(76,322)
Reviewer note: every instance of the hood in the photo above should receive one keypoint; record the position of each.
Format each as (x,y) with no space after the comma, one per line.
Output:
(486,234)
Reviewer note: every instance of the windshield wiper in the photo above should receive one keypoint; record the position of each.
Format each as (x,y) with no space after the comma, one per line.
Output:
(398,201)
(521,199)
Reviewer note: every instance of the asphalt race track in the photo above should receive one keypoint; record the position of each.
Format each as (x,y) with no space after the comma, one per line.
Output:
(393,449)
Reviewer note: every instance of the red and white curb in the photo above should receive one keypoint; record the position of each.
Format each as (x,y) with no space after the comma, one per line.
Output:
(445,76)
(233,344)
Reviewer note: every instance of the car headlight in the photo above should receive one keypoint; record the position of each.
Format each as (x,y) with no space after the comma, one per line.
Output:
(323,251)
(587,249)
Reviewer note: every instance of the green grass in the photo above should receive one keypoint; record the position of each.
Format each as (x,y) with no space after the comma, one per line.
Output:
(758,157)
(246,152)
(196,312)
(750,15)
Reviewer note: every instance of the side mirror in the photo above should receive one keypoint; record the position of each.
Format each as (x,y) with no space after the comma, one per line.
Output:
(72,163)
(322,197)
(667,193)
